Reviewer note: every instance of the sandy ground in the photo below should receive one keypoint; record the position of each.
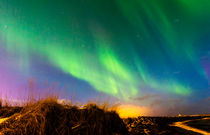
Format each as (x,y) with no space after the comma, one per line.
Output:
(3,119)
(183,125)
(203,124)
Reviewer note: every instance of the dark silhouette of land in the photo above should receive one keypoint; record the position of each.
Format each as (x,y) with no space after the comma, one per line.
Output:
(48,117)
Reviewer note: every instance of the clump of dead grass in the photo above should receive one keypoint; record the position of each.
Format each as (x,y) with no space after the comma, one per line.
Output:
(47,116)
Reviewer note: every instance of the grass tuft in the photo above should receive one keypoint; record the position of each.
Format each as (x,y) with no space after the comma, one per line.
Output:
(47,116)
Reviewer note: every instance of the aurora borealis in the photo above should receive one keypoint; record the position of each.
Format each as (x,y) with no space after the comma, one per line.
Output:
(138,52)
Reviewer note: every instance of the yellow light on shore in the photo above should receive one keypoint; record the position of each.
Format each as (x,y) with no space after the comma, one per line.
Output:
(129,110)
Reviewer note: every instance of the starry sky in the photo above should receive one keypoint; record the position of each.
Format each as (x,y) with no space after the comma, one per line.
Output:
(152,54)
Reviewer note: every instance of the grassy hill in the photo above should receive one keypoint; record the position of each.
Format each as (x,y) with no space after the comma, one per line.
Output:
(48,117)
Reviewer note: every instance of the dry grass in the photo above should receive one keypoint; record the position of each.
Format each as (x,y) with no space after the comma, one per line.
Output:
(48,117)
(44,115)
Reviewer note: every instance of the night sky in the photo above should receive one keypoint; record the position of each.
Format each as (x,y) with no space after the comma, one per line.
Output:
(154,54)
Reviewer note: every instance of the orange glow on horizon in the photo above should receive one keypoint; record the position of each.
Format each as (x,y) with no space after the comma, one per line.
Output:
(129,110)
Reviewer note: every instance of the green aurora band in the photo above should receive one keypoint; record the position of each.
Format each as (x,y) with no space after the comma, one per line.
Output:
(109,44)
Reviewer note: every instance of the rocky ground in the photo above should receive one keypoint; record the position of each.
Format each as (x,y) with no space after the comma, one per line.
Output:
(162,125)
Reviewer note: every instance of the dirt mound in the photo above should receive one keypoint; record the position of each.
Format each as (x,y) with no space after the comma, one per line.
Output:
(47,117)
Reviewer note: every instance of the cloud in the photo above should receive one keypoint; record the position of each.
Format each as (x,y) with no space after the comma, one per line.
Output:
(146,97)
(166,102)
(176,72)
(173,107)
(207,99)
